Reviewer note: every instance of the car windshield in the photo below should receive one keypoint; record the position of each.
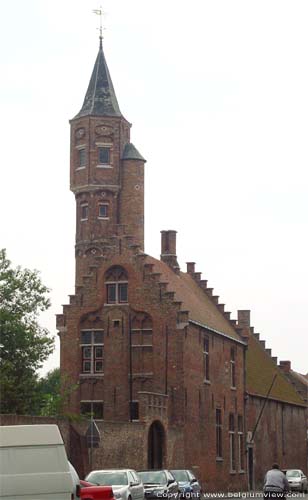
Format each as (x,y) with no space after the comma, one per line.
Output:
(293,473)
(108,478)
(153,477)
(180,475)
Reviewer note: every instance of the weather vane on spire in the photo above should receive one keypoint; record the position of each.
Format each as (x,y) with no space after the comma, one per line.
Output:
(99,12)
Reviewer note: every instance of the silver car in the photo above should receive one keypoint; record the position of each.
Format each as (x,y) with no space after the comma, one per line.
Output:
(297,480)
(125,483)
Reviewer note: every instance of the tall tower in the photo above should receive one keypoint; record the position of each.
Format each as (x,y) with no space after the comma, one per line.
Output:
(106,173)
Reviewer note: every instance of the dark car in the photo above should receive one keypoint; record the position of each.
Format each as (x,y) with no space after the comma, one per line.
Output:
(189,485)
(159,484)
(90,491)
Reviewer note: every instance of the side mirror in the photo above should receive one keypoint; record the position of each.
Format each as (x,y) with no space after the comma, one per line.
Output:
(192,481)
(170,481)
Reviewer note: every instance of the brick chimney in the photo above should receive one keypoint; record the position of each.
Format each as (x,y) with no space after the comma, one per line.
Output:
(285,366)
(243,321)
(168,249)
(190,267)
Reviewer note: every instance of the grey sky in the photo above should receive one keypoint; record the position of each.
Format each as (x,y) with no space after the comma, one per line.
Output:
(217,94)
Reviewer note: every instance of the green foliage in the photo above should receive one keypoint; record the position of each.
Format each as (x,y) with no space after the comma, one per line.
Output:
(24,344)
(54,394)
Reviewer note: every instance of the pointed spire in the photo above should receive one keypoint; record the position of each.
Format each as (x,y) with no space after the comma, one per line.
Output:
(100,99)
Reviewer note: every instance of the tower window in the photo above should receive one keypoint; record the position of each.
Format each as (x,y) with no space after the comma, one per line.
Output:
(82,158)
(104,155)
(92,348)
(116,285)
(103,210)
(84,211)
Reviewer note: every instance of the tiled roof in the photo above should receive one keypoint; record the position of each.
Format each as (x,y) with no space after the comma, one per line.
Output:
(201,308)
(260,373)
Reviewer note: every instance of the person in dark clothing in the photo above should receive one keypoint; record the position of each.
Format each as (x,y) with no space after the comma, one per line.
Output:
(275,484)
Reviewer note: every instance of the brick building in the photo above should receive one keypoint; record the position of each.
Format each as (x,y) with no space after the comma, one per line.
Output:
(157,359)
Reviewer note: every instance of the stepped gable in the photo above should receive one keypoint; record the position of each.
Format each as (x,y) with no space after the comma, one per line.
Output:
(261,370)
(201,308)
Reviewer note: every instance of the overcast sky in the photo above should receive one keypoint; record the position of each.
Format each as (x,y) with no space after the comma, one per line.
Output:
(217,94)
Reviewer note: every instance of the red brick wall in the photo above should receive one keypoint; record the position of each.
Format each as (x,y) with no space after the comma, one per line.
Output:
(280,436)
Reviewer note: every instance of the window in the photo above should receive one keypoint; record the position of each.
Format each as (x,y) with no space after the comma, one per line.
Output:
(240,435)
(232,368)
(134,410)
(103,210)
(82,158)
(104,156)
(93,409)
(92,348)
(218,434)
(232,442)
(116,286)
(206,359)
(84,211)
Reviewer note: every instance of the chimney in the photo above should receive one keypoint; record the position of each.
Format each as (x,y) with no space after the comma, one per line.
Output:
(190,267)
(243,321)
(243,318)
(168,249)
(285,366)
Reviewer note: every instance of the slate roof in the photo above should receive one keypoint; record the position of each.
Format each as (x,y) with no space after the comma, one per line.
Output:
(194,299)
(261,370)
(131,153)
(100,99)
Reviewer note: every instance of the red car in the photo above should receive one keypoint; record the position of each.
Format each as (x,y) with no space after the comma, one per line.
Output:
(90,491)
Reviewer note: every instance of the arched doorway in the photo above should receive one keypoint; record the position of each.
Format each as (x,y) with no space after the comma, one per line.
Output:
(156,445)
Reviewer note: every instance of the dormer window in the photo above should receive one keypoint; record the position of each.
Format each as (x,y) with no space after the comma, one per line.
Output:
(103,155)
(116,285)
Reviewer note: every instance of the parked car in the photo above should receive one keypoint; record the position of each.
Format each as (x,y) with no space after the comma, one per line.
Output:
(297,480)
(188,484)
(159,484)
(90,491)
(125,483)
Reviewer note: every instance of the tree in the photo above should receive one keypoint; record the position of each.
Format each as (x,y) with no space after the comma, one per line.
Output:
(54,393)
(24,344)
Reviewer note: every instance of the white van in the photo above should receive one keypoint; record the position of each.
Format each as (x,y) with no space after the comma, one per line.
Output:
(33,464)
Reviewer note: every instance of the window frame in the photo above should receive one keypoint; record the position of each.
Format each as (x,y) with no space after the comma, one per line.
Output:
(241,445)
(218,428)
(232,368)
(105,146)
(84,205)
(206,358)
(92,359)
(92,402)
(103,204)
(232,452)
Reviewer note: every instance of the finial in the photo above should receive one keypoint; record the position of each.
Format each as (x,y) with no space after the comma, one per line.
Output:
(99,12)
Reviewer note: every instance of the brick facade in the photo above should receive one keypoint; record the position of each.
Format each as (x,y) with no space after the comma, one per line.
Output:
(149,345)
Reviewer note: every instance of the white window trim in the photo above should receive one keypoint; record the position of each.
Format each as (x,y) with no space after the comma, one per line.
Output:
(92,345)
(232,458)
(80,168)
